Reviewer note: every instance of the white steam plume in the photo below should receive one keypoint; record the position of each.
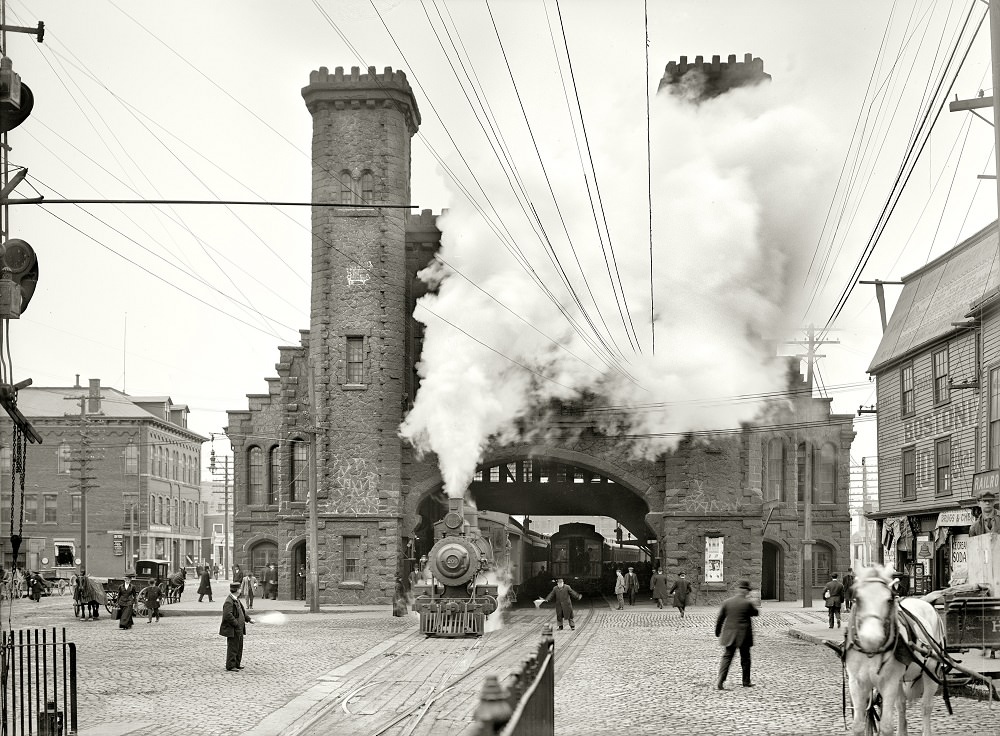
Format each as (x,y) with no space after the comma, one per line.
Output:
(739,183)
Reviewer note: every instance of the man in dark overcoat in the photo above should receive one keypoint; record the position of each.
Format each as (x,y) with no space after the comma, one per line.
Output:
(658,584)
(153,601)
(631,585)
(680,590)
(561,594)
(735,631)
(234,627)
(271,581)
(833,596)
(205,586)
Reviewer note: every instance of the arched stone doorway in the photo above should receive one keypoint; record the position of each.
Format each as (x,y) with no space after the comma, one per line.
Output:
(261,555)
(299,571)
(770,573)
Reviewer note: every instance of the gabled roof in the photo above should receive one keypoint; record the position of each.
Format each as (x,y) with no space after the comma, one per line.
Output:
(938,294)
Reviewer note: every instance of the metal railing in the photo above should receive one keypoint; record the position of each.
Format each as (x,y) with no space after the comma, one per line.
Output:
(527,707)
(37,683)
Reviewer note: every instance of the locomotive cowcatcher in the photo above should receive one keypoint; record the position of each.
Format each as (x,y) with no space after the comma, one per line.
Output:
(453,596)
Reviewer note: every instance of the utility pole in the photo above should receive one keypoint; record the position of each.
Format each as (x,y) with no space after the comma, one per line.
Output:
(313,548)
(880,296)
(225,505)
(83,460)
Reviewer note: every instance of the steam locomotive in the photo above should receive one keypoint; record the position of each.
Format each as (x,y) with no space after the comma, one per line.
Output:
(453,595)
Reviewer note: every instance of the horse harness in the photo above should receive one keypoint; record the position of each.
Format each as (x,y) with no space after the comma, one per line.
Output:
(901,647)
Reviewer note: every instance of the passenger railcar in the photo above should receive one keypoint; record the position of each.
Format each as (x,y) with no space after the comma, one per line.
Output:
(577,553)
(454,594)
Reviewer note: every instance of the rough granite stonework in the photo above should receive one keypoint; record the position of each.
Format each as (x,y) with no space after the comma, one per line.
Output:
(373,489)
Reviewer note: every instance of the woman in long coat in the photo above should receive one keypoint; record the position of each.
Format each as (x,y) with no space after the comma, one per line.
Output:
(658,584)
(205,586)
(127,595)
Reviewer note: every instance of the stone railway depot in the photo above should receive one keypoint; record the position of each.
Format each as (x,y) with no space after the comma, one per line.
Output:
(737,501)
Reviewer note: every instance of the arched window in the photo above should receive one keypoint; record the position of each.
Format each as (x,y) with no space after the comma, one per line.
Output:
(158,462)
(826,474)
(774,476)
(255,479)
(274,477)
(131,458)
(64,456)
(367,188)
(346,187)
(300,470)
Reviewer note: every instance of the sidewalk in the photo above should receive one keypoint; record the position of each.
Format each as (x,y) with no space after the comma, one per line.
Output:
(188,605)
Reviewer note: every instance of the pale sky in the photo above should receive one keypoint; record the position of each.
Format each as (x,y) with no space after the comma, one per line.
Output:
(195,100)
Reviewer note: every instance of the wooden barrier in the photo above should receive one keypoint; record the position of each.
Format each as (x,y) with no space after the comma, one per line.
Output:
(527,707)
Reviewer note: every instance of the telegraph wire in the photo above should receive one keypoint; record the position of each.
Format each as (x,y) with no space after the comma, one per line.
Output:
(649,183)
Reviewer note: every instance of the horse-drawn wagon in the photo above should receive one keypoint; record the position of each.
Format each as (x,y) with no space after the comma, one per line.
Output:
(147,573)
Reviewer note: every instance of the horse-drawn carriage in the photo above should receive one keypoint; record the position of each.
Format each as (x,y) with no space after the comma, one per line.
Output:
(147,573)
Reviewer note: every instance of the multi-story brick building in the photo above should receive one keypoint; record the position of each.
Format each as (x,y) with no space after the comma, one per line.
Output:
(145,468)
(729,507)
(937,371)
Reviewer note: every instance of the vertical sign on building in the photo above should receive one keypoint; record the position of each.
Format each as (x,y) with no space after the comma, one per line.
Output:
(713,559)
(959,559)
(118,544)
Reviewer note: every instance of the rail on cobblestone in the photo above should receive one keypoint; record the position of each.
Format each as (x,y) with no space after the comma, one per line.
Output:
(527,707)
(37,683)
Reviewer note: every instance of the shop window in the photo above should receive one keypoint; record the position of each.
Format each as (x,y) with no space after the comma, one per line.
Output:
(255,480)
(909,473)
(65,555)
(352,559)
(300,470)
(942,467)
(355,360)
(907,401)
(774,471)
(941,386)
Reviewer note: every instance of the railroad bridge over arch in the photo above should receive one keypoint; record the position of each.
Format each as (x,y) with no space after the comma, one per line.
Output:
(719,508)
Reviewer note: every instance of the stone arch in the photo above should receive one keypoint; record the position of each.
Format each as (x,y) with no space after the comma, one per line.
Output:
(295,541)
(257,539)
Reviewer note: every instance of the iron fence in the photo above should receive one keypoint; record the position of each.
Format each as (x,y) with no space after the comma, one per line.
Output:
(527,707)
(37,683)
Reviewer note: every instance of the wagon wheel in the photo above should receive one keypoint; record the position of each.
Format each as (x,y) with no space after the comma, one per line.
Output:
(140,604)
(873,716)
(111,601)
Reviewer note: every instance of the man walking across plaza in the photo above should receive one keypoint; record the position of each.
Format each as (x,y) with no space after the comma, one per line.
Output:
(848,585)
(631,585)
(735,631)
(658,584)
(833,596)
(681,589)
(271,581)
(564,604)
(205,586)
(620,588)
(234,627)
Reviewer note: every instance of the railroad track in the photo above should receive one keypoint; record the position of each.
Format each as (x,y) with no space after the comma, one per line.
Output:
(377,689)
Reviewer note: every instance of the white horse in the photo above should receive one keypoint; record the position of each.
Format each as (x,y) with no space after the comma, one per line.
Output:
(887,640)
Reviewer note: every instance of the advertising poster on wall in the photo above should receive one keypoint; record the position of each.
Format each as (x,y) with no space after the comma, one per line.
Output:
(713,559)
(959,559)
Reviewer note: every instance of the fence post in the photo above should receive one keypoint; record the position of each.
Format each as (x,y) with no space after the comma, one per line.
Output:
(493,710)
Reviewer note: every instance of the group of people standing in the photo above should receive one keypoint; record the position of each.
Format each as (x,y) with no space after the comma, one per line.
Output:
(627,587)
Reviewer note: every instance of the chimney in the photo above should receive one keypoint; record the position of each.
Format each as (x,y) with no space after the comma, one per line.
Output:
(94,399)
(77,384)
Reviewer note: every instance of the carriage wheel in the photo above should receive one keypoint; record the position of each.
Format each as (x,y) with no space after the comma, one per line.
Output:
(111,603)
(874,715)
(140,604)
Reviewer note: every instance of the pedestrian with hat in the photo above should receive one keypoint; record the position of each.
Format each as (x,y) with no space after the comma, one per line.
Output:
(205,586)
(631,585)
(127,595)
(561,594)
(734,628)
(680,590)
(987,523)
(234,627)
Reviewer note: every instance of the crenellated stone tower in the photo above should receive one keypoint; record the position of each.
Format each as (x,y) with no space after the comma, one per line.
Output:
(362,125)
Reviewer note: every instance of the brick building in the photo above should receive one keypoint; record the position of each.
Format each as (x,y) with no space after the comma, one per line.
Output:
(339,396)
(937,372)
(145,464)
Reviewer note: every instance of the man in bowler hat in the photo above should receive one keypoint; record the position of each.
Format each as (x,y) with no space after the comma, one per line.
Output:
(234,621)
(988,522)
(735,631)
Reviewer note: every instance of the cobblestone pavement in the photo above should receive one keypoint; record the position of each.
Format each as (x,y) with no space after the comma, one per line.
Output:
(643,672)
(169,677)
